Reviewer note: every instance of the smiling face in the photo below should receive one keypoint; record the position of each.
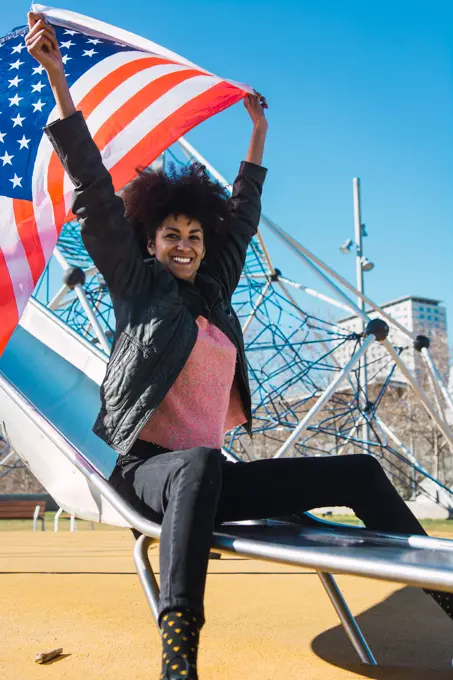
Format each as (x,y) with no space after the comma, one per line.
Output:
(179,246)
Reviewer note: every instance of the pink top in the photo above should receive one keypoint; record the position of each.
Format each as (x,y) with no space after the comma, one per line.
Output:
(204,401)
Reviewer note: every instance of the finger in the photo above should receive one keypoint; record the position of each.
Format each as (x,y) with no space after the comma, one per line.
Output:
(44,32)
(32,18)
(40,43)
(31,40)
(40,25)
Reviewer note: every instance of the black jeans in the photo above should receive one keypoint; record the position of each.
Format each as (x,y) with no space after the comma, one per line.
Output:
(191,492)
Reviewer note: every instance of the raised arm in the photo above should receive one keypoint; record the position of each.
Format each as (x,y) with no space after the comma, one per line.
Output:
(245,202)
(106,233)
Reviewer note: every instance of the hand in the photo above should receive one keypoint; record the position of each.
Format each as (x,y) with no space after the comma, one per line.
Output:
(255,105)
(42,44)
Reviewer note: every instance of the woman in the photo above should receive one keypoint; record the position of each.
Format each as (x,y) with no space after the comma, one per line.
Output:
(177,378)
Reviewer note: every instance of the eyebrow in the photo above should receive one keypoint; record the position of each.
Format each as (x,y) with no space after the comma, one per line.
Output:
(192,231)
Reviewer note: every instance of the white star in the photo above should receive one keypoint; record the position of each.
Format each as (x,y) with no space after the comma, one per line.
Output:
(14,82)
(37,87)
(14,101)
(24,142)
(70,32)
(38,70)
(37,106)
(16,181)
(18,48)
(2,135)
(65,59)
(94,41)
(88,53)
(67,44)
(17,64)
(120,44)
(6,159)
(18,120)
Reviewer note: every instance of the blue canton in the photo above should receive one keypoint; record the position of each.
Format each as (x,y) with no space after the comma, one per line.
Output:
(26,99)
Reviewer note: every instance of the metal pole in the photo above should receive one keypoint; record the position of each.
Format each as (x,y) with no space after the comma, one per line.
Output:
(78,290)
(308,256)
(92,318)
(363,372)
(324,398)
(56,518)
(146,573)
(420,392)
(300,250)
(315,293)
(255,308)
(35,517)
(349,623)
(437,376)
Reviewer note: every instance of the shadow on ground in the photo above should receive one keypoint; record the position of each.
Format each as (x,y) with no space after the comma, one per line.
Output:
(410,636)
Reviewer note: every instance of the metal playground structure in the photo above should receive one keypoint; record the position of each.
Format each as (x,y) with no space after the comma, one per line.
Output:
(316,390)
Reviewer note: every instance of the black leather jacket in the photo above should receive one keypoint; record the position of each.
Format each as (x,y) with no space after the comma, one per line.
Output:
(155,312)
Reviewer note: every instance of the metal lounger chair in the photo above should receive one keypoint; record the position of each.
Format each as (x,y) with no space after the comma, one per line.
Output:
(47,406)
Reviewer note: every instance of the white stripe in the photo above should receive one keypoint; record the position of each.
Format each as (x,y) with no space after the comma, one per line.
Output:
(42,204)
(146,121)
(80,22)
(120,96)
(126,91)
(83,85)
(14,254)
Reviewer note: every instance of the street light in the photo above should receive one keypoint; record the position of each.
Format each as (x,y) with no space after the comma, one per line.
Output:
(367,265)
(363,264)
(346,247)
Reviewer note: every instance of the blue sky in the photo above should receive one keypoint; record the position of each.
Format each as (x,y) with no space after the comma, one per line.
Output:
(355,89)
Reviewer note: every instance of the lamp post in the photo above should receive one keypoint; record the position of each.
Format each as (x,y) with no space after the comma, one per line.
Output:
(362,265)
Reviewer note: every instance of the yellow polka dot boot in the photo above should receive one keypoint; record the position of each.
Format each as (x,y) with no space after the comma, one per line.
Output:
(180,631)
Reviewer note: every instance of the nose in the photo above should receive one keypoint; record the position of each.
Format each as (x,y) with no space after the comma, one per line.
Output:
(184,245)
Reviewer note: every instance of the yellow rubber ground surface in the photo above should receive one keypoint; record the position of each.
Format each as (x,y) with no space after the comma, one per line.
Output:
(80,592)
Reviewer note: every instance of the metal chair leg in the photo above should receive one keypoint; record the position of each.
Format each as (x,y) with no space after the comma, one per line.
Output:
(348,621)
(146,574)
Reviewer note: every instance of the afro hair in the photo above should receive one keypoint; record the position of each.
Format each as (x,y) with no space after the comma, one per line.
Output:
(155,194)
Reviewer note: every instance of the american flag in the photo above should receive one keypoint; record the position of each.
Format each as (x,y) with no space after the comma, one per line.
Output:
(136,101)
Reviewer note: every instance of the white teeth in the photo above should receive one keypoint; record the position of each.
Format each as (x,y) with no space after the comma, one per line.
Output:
(182,260)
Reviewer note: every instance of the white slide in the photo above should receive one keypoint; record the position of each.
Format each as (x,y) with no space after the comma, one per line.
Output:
(49,369)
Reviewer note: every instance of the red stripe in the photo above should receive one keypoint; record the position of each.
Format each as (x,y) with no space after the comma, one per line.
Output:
(112,80)
(55,176)
(8,307)
(28,233)
(192,113)
(135,105)
(200,108)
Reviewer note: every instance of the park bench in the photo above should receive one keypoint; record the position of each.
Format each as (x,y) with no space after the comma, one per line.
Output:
(19,509)
(48,422)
